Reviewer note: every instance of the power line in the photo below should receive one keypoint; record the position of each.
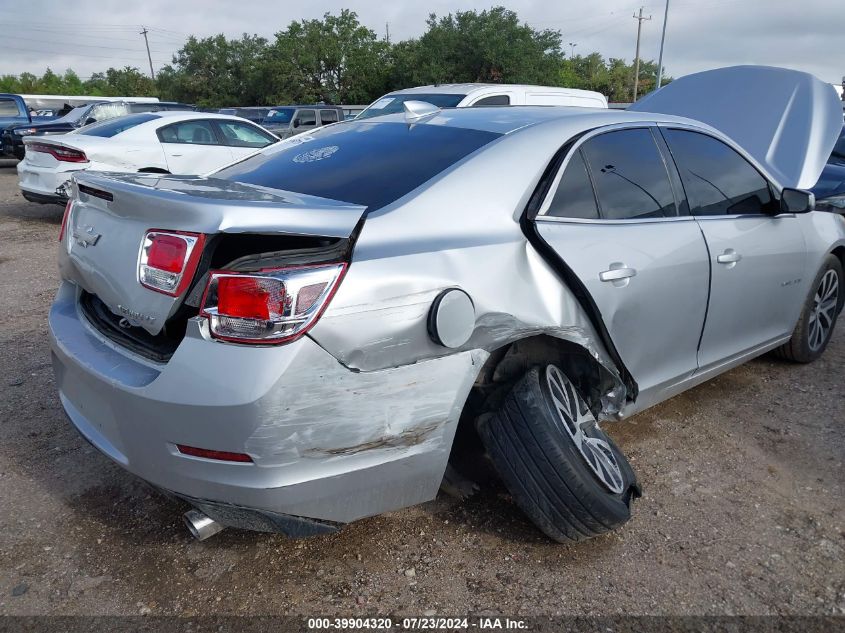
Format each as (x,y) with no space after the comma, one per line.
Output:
(75,44)
(74,54)
(639,18)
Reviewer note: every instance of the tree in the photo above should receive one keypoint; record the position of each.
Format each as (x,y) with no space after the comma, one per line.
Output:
(333,60)
(214,71)
(490,46)
(336,59)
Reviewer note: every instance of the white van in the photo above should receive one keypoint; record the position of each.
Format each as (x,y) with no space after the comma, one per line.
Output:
(474,95)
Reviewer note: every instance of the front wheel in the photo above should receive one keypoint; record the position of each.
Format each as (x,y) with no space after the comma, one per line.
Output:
(818,316)
(562,470)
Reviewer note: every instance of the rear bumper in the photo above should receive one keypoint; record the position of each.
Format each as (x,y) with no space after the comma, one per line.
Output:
(327,443)
(41,184)
(41,198)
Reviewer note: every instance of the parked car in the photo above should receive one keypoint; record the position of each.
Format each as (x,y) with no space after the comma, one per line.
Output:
(160,142)
(477,95)
(830,188)
(13,111)
(287,121)
(252,113)
(292,342)
(84,115)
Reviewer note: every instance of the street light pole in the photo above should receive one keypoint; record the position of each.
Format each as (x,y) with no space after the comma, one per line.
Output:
(662,40)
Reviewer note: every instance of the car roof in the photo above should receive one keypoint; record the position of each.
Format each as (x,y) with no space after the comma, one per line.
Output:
(468,88)
(307,105)
(175,115)
(509,119)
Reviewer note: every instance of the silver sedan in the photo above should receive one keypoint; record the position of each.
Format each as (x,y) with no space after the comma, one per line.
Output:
(296,341)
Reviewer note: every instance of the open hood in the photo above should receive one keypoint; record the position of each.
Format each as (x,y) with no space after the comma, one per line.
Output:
(786,119)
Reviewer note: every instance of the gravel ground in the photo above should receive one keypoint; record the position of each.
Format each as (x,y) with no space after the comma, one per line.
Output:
(743,509)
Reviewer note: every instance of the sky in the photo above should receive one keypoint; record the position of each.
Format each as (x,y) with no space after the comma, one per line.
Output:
(92,35)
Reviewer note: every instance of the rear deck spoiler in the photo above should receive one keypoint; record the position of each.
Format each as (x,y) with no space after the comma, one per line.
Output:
(786,119)
(214,205)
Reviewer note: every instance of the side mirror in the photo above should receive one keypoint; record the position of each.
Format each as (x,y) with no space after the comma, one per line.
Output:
(90,120)
(796,201)
(296,123)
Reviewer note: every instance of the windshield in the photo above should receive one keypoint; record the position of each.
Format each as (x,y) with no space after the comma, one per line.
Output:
(371,164)
(113,127)
(74,115)
(391,104)
(279,116)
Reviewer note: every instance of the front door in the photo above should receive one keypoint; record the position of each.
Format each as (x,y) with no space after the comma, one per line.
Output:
(757,255)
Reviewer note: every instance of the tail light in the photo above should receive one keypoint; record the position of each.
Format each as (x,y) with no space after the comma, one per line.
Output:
(270,306)
(168,260)
(65,217)
(59,152)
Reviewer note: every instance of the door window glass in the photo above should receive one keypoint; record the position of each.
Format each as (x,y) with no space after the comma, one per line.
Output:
(192,132)
(629,174)
(243,135)
(328,116)
(305,118)
(8,107)
(717,180)
(574,197)
(493,100)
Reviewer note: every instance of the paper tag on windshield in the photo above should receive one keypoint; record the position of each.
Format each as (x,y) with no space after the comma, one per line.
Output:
(382,103)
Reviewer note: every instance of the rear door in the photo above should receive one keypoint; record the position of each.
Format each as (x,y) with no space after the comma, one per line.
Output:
(611,216)
(193,147)
(757,255)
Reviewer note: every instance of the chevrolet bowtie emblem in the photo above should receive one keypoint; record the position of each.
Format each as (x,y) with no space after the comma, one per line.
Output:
(86,237)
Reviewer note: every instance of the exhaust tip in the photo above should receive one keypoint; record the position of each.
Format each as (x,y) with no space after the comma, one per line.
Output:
(200,525)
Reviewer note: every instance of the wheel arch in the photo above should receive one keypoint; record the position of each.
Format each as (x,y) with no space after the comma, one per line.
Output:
(600,386)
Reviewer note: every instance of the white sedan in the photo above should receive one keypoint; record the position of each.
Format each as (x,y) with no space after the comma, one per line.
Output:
(175,142)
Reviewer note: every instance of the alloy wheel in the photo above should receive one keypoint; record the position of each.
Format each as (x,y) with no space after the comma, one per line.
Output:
(824,310)
(580,425)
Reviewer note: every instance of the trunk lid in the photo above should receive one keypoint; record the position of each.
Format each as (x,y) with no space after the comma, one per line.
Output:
(43,159)
(786,119)
(112,213)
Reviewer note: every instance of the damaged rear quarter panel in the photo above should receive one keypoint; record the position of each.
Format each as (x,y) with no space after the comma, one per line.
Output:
(461,230)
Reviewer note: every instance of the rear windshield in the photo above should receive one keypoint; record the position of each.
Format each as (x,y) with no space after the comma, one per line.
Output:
(391,104)
(371,164)
(113,127)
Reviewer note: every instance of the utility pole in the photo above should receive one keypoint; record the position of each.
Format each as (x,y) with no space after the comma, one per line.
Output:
(639,18)
(572,46)
(149,57)
(662,41)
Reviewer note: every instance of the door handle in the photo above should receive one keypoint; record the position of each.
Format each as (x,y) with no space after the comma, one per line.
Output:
(730,256)
(175,155)
(617,272)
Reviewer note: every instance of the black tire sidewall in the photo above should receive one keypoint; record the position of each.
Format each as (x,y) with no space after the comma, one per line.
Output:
(801,343)
(546,427)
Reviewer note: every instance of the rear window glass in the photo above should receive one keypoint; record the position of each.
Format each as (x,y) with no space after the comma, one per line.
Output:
(371,164)
(113,127)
